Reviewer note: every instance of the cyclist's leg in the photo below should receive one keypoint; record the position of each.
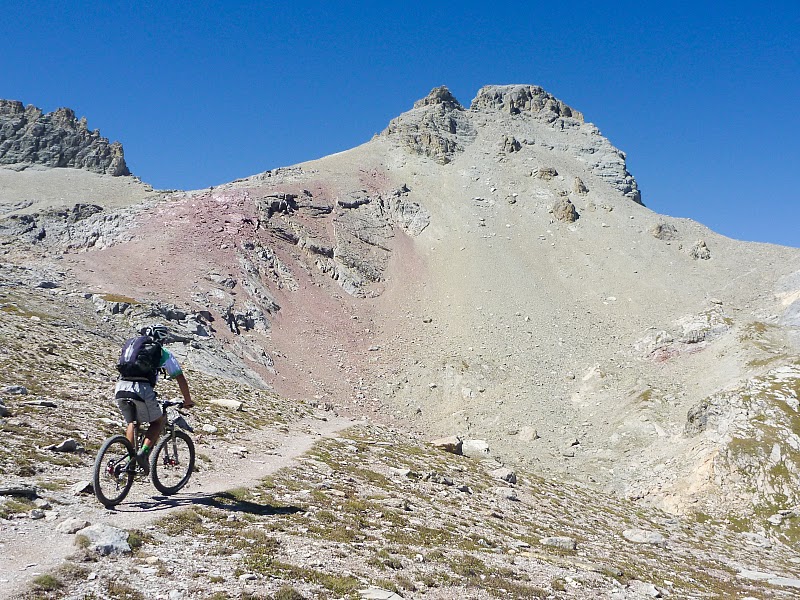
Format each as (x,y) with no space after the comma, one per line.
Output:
(124,398)
(151,412)
(154,431)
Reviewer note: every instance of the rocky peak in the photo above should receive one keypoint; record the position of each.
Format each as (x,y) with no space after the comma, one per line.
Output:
(57,139)
(515,99)
(437,127)
(440,95)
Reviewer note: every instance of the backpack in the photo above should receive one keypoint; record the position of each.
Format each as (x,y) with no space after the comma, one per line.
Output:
(140,359)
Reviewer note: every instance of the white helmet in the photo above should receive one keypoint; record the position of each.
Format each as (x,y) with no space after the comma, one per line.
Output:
(158,332)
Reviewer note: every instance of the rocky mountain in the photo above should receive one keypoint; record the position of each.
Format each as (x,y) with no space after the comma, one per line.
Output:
(489,273)
(57,139)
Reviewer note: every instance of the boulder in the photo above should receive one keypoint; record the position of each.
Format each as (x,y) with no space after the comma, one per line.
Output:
(579,187)
(71,525)
(451,444)
(563,542)
(20,390)
(105,539)
(225,403)
(563,210)
(664,231)
(505,474)
(642,536)
(700,251)
(475,448)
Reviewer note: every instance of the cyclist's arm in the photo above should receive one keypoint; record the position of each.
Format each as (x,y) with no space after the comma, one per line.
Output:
(184,386)
(174,371)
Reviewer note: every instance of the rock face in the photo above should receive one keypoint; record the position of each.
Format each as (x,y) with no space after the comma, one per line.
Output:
(56,139)
(438,127)
(515,99)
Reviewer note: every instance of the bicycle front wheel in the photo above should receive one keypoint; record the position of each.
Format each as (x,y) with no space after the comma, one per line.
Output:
(172,462)
(113,472)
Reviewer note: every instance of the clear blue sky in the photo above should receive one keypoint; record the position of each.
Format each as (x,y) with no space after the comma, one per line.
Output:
(703,97)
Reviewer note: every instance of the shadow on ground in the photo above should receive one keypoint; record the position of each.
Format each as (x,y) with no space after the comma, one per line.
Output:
(222,500)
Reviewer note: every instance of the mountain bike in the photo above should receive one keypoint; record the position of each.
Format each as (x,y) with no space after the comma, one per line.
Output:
(171,461)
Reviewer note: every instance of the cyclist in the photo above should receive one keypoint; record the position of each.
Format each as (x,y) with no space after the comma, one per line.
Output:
(139,389)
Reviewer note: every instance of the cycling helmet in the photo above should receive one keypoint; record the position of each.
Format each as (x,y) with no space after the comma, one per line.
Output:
(158,332)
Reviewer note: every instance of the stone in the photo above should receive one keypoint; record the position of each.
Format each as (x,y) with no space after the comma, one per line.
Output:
(563,210)
(209,428)
(225,403)
(546,173)
(41,403)
(105,539)
(505,474)
(511,144)
(68,445)
(579,187)
(451,444)
(642,536)
(563,542)
(82,487)
(374,593)
(18,490)
(642,589)
(72,525)
(505,493)
(700,251)
(528,434)
(664,231)
(475,448)
(20,390)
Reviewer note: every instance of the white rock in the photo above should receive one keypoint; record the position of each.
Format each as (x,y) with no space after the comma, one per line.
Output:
(105,539)
(563,542)
(71,525)
(642,536)
(373,593)
(225,403)
(475,448)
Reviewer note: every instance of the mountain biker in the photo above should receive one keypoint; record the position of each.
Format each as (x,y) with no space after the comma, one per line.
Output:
(145,407)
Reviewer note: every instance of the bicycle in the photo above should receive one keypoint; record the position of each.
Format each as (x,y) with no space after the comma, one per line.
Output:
(171,461)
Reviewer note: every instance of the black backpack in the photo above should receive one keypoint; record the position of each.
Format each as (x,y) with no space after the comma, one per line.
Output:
(139,359)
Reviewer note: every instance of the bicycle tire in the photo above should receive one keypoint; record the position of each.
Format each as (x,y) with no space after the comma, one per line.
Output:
(111,478)
(172,462)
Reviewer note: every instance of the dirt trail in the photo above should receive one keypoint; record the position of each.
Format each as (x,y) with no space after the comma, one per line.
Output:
(33,547)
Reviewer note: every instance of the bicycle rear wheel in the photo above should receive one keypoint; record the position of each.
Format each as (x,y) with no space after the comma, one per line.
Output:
(112,476)
(172,462)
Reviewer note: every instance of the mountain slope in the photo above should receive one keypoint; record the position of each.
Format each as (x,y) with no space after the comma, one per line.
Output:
(489,272)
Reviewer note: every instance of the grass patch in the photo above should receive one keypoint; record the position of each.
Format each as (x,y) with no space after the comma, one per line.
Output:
(122,591)
(288,593)
(47,583)
(188,522)
(341,585)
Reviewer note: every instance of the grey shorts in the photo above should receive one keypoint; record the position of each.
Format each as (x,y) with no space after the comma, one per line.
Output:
(145,409)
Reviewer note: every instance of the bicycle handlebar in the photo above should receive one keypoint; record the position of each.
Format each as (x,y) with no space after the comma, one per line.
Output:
(168,403)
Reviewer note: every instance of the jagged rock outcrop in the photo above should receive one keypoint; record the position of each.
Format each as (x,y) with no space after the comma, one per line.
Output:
(515,99)
(440,128)
(436,127)
(57,139)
